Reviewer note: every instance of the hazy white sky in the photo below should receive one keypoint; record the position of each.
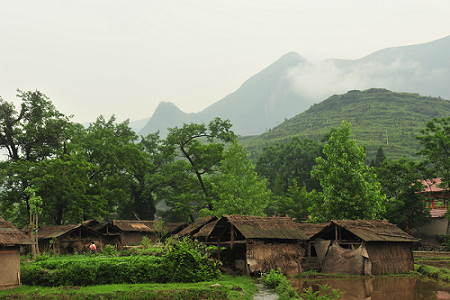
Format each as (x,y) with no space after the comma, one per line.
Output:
(124,57)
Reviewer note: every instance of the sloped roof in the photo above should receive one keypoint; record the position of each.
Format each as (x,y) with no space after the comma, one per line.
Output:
(432,186)
(10,235)
(47,232)
(91,223)
(437,213)
(252,227)
(196,226)
(134,225)
(175,227)
(100,226)
(206,230)
(372,230)
(310,229)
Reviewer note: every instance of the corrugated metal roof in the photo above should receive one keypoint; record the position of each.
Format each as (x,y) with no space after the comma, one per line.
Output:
(10,235)
(252,227)
(375,230)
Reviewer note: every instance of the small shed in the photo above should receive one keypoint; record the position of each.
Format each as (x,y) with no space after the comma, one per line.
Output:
(135,230)
(68,239)
(10,240)
(363,247)
(257,244)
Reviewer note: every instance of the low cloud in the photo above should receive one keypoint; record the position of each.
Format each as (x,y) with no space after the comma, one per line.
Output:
(318,82)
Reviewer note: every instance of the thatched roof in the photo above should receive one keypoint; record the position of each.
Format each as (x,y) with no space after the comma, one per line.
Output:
(310,229)
(372,230)
(10,235)
(196,226)
(101,226)
(54,231)
(252,227)
(134,225)
(90,223)
(175,227)
(205,231)
(48,232)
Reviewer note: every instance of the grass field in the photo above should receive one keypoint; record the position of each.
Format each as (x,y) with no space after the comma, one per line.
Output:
(227,287)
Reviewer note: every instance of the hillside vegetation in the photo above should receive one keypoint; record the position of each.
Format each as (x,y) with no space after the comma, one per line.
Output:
(379,117)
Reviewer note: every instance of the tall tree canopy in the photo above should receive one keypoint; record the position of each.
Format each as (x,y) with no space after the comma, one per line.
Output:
(400,181)
(281,164)
(30,136)
(199,147)
(239,190)
(435,139)
(350,188)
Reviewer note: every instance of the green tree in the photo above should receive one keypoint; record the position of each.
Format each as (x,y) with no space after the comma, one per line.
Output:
(31,136)
(281,164)
(400,181)
(198,150)
(435,139)
(239,190)
(379,158)
(350,188)
(296,202)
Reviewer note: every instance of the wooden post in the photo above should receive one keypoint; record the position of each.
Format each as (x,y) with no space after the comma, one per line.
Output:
(232,237)
(335,233)
(218,248)
(309,255)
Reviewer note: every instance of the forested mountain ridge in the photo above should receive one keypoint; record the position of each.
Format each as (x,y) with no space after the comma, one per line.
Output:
(379,117)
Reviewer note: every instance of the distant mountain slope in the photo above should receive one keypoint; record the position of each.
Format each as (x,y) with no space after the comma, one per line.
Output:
(291,84)
(262,101)
(379,118)
(166,115)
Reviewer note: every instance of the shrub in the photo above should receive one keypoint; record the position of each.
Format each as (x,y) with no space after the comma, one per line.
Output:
(109,250)
(146,242)
(188,261)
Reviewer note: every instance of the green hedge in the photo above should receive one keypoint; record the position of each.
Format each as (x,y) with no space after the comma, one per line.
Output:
(96,270)
(184,261)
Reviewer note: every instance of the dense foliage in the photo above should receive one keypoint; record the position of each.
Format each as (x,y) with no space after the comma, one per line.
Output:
(379,118)
(350,188)
(184,261)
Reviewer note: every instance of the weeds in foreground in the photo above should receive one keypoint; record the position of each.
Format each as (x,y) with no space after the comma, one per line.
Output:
(276,280)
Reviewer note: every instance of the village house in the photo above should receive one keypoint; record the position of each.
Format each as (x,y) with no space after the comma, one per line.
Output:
(429,234)
(10,240)
(68,239)
(257,244)
(435,195)
(134,230)
(361,247)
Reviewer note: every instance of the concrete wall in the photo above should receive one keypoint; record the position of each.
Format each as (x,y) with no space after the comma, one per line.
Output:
(429,234)
(9,266)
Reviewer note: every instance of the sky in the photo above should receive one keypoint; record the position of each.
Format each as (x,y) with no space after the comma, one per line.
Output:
(123,58)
